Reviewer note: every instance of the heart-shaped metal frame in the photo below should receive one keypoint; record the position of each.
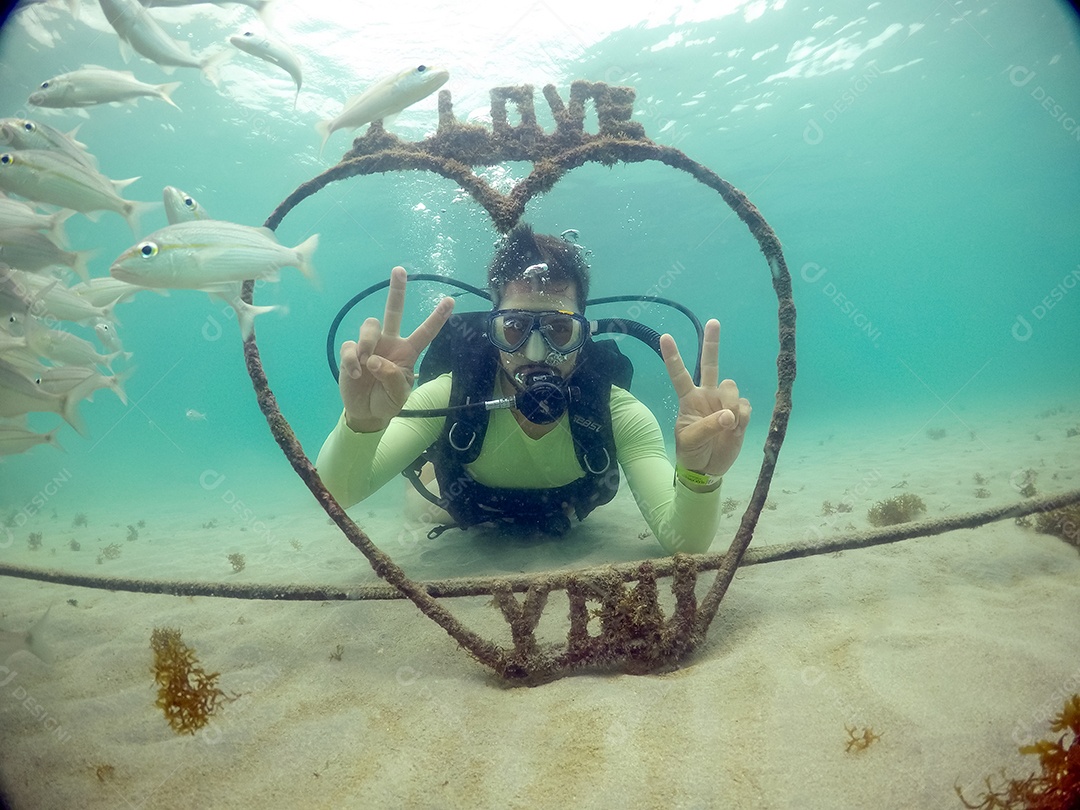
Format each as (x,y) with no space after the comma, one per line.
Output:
(634,633)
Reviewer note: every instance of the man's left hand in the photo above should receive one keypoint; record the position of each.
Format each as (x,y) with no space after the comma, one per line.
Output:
(712,416)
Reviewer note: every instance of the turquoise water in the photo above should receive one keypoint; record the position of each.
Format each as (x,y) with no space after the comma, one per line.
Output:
(919,162)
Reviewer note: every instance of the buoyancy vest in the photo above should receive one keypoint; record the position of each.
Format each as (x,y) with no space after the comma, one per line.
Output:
(462,348)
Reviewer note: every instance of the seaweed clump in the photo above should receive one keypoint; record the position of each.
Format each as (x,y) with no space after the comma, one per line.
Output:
(899,509)
(1024,482)
(1063,523)
(186,693)
(860,742)
(1058,786)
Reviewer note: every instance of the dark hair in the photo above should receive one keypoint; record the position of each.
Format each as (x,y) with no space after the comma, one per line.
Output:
(521,248)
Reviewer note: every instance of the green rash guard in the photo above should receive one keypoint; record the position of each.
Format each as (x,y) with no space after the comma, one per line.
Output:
(354,465)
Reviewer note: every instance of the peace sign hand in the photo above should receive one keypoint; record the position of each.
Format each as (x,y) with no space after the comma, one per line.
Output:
(712,417)
(377,369)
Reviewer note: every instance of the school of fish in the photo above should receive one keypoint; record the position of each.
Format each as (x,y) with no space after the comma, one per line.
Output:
(58,330)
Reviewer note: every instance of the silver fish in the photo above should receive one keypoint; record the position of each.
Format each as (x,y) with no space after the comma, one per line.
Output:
(194,415)
(205,254)
(181,207)
(245,312)
(16,439)
(12,345)
(22,133)
(50,177)
(72,6)
(262,7)
(32,251)
(273,51)
(68,349)
(97,85)
(106,333)
(106,292)
(386,97)
(16,297)
(139,30)
(25,360)
(20,395)
(48,298)
(17,214)
(61,379)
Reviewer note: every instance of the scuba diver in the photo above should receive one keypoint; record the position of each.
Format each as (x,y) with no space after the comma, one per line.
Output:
(522,415)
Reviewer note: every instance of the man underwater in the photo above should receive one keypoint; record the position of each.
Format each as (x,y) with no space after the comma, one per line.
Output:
(558,450)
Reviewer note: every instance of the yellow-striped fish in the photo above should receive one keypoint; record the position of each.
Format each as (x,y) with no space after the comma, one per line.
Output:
(50,177)
(204,254)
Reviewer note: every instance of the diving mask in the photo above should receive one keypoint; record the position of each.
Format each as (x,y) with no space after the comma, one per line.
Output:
(563,332)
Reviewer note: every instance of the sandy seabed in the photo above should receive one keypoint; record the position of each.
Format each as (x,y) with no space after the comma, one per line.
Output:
(954,649)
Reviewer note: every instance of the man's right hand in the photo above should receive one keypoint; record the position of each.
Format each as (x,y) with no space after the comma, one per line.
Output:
(376,373)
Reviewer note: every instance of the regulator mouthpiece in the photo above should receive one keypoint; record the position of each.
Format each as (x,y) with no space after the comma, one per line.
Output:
(544,398)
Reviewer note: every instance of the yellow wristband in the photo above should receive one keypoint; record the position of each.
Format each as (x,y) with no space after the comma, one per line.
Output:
(696,478)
